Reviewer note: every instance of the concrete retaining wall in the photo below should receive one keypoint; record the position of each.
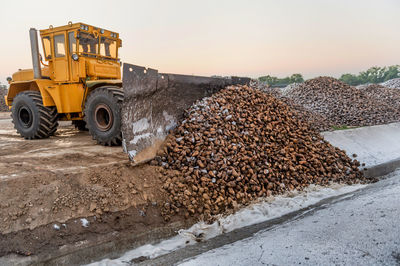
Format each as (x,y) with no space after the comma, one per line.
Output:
(376,146)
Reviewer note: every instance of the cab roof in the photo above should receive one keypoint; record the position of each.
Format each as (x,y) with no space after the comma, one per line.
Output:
(82,27)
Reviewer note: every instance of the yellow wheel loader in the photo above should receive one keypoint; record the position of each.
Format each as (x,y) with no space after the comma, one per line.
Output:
(80,82)
(79,79)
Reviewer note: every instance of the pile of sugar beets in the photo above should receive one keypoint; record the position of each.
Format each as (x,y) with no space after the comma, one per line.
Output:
(3,106)
(242,144)
(345,105)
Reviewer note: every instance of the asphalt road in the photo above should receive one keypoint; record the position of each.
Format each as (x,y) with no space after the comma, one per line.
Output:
(357,228)
(361,229)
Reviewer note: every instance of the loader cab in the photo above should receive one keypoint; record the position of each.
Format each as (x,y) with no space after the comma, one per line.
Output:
(79,52)
(80,82)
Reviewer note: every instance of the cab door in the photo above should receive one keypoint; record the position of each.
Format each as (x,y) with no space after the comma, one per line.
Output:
(60,59)
(73,65)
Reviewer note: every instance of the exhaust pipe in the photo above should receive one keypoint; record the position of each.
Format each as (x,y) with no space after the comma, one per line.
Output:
(37,71)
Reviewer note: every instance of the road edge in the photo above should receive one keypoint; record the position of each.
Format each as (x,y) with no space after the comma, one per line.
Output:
(382,169)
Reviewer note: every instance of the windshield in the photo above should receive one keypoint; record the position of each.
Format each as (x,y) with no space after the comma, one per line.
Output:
(88,44)
(108,47)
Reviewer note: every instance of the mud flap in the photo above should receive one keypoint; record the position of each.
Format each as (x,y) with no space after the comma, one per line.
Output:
(155,102)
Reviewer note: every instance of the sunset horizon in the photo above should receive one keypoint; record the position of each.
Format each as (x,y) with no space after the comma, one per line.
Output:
(226,38)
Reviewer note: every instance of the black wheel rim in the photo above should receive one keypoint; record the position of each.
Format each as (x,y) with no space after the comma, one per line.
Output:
(103,117)
(25,117)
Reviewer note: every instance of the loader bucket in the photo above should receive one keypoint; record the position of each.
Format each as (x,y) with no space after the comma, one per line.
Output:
(155,102)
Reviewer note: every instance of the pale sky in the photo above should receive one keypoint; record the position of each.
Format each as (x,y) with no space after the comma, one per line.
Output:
(235,37)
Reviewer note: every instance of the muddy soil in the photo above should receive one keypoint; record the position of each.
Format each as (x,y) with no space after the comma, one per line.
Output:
(125,229)
(47,186)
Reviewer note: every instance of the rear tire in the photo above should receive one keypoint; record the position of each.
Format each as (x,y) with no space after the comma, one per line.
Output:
(31,118)
(103,115)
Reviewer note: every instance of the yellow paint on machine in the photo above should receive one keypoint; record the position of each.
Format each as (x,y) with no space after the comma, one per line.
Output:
(79,58)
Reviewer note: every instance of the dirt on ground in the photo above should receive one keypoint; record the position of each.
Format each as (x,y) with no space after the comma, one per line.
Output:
(65,193)
(127,229)
(65,177)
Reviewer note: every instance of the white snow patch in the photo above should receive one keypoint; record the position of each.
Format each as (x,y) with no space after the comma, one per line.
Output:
(84,222)
(167,116)
(132,154)
(266,209)
(124,145)
(139,137)
(140,125)
(171,121)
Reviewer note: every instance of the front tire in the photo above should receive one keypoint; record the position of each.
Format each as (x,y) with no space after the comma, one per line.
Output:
(103,115)
(31,118)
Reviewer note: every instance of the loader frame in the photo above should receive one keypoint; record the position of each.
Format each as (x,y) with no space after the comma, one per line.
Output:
(65,82)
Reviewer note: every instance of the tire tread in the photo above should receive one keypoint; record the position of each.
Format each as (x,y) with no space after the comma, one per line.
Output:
(47,115)
(117,94)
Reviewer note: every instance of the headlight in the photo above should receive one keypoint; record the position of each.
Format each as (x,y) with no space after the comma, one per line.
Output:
(82,27)
(75,57)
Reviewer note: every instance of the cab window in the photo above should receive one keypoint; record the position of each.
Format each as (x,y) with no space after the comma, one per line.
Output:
(47,47)
(59,45)
(108,47)
(72,42)
(88,44)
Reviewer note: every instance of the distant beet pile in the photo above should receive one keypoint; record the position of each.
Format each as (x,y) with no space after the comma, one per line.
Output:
(380,93)
(3,106)
(392,83)
(343,104)
(241,144)
(316,121)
